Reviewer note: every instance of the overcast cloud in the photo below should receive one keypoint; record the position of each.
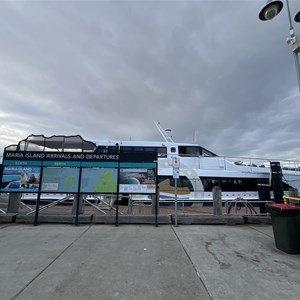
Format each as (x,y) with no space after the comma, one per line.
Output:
(107,69)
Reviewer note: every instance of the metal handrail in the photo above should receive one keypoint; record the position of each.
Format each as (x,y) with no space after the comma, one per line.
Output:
(287,198)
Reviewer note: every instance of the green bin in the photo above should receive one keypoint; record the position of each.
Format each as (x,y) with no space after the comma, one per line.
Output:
(286,226)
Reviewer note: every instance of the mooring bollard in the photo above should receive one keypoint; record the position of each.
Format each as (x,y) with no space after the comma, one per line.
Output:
(277,182)
(14,202)
(130,210)
(217,200)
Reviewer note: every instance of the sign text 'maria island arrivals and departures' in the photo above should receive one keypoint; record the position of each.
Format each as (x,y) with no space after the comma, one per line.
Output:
(73,172)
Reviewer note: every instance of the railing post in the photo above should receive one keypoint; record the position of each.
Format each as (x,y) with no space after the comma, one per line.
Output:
(293,192)
(80,205)
(217,200)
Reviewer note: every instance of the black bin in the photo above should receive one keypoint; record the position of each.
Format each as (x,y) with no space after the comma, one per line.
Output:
(286,226)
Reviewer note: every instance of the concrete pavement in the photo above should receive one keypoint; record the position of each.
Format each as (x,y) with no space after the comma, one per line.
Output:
(241,262)
(144,262)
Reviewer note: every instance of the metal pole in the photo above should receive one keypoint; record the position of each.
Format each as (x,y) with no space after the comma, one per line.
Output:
(117,207)
(293,36)
(156,205)
(290,19)
(156,193)
(297,65)
(176,202)
(78,197)
(37,205)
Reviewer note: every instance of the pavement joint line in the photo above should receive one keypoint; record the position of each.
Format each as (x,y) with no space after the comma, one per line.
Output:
(189,258)
(5,226)
(51,263)
(254,228)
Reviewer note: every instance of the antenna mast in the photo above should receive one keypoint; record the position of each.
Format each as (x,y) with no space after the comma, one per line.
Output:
(164,132)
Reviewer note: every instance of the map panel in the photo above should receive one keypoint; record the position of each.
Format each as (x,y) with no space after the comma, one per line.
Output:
(60,180)
(99,180)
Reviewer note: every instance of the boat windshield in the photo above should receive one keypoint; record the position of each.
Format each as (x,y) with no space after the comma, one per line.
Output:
(194,151)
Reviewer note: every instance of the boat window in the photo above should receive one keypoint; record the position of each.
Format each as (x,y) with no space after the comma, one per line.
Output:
(111,148)
(206,152)
(162,152)
(167,184)
(127,149)
(138,149)
(101,149)
(189,150)
(230,184)
(173,149)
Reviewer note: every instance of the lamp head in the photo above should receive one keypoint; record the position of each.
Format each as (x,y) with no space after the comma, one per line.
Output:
(297,17)
(271,10)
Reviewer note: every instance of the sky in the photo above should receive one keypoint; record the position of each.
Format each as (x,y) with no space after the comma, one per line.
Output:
(208,69)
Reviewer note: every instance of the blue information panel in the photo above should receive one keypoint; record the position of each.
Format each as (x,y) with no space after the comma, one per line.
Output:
(99,180)
(60,180)
(20,179)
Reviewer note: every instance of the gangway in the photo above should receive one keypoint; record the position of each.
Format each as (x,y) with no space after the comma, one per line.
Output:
(238,203)
(103,202)
(51,204)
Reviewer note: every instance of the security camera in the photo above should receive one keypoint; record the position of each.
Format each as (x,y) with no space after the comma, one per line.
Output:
(295,43)
(291,40)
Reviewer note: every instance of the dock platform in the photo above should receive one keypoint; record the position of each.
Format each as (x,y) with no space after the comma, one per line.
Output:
(96,261)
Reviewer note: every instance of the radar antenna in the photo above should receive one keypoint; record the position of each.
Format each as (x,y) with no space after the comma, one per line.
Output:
(164,132)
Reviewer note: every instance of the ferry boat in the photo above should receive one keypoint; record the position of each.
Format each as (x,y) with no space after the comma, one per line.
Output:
(201,170)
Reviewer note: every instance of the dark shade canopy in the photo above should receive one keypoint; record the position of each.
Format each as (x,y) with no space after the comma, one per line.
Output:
(60,143)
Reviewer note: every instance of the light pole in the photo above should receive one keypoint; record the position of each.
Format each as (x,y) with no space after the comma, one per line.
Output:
(271,10)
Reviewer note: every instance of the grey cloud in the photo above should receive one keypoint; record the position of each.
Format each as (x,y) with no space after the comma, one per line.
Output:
(106,69)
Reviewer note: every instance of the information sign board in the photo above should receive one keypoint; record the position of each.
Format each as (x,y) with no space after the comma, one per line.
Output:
(20,179)
(137,181)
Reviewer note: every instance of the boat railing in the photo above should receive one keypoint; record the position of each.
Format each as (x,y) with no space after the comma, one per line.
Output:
(254,163)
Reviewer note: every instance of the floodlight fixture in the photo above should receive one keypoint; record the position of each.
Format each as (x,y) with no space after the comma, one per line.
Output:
(297,17)
(271,10)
